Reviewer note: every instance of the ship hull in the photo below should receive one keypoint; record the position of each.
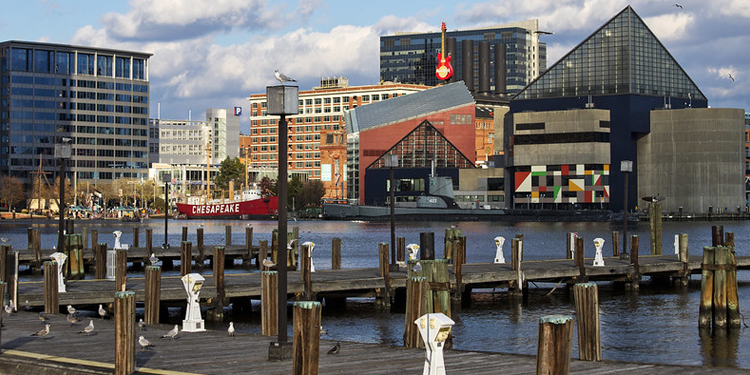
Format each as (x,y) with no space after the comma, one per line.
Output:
(263,208)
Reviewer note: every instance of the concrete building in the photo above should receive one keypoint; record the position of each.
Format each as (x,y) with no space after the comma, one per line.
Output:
(224,125)
(320,116)
(178,141)
(696,167)
(498,59)
(99,97)
(573,126)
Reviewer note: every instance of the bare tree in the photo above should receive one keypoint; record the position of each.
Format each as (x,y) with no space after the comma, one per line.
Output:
(11,192)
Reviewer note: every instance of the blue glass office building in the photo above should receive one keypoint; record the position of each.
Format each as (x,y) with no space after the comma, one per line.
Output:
(98,97)
(501,59)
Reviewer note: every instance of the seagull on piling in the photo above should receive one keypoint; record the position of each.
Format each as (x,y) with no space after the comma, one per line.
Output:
(336,348)
(268,264)
(417,267)
(171,334)
(230,330)
(42,333)
(153,259)
(141,325)
(71,310)
(144,343)
(89,328)
(102,312)
(282,78)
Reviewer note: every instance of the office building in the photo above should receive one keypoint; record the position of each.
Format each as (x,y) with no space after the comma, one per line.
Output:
(500,59)
(98,97)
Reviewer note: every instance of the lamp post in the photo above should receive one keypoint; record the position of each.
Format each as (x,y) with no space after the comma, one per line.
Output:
(626,166)
(62,153)
(391,161)
(282,101)
(166,178)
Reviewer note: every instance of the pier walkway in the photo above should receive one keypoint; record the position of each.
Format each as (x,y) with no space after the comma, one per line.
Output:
(212,352)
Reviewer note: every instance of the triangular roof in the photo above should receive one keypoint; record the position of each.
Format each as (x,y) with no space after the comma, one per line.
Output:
(418,104)
(423,145)
(621,57)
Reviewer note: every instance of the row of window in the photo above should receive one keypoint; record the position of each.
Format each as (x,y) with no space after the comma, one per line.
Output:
(47,61)
(50,81)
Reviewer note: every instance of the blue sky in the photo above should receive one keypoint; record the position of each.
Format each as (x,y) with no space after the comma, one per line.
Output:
(214,54)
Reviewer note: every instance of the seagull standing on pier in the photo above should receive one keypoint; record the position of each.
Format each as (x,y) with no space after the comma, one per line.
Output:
(144,343)
(89,328)
(230,330)
(27,306)
(72,319)
(43,333)
(71,310)
(102,312)
(43,318)
(172,334)
(8,309)
(141,325)
(336,348)
(282,78)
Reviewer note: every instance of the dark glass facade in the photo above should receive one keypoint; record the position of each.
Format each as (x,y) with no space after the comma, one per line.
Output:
(97,97)
(412,58)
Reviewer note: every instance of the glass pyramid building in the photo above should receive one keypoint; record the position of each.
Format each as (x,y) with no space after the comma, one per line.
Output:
(621,57)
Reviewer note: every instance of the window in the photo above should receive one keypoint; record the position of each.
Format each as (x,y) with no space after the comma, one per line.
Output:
(104,66)
(139,69)
(43,61)
(122,67)
(85,64)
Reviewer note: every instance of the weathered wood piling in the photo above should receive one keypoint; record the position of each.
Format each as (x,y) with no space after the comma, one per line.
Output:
(554,345)
(186,258)
(586,297)
(152,294)
(217,313)
(416,306)
(269,303)
(124,332)
(51,288)
(306,337)
(121,267)
(336,253)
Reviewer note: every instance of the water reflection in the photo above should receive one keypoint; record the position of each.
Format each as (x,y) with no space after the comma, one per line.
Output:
(720,348)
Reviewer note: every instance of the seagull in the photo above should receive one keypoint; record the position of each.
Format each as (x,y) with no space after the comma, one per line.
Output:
(89,328)
(141,325)
(268,264)
(144,343)
(290,245)
(323,331)
(230,330)
(171,334)
(102,312)
(417,267)
(153,259)
(730,77)
(5,240)
(43,318)
(71,310)
(8,309)
(42,333)
(26,306)
(335,349)
(72,319)
(282,78)
(12,305)
(678,6)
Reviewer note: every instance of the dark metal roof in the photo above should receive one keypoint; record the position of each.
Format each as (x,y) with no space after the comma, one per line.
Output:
(437,99)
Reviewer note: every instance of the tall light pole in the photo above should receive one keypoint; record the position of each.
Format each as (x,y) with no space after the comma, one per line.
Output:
(626,166)
(167,178)
(63,151)
(282,101)
(391,161)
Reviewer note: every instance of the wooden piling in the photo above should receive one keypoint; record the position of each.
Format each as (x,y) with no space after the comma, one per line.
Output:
(149,241)
(74,250)
(459,258)
(400,249)
(136,237)
(100,260)
(124,332)
(262,252)
(586,297)
(336,253)
(734,318)
(720,291)
(121,268)
(2,293)
(384,299)
(152,294)
(554,345)
(275,246)
(10,279)
(4,250)
(184,234)
(682,247)
(655,224)
(306,337)
(269,303)
(615,243)
(570,245)
(94,237)
(306,274)
(228,235)
(51,288)
(249,244)
(516,255)
(634,245)
(580,259)
(186,257)
(217,314)
(35,246)
(707,288)
(201,248)
(427,245)
(416,294)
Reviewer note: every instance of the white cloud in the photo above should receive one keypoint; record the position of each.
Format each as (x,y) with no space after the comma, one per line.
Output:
(670,26)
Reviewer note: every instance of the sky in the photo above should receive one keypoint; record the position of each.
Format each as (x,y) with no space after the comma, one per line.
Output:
(216,53)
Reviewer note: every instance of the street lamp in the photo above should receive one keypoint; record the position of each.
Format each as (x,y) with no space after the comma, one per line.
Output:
(626,166)
(282,101)
(391,161)
(63,151)
(166,178)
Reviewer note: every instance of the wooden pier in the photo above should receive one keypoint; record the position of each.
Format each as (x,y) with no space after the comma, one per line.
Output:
(213,352)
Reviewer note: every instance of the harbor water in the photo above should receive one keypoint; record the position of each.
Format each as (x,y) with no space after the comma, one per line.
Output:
(656,324)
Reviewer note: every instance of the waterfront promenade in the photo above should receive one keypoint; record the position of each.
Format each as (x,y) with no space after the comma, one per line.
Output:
(213,352)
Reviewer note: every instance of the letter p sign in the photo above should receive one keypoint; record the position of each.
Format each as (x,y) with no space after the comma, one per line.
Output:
(237,111)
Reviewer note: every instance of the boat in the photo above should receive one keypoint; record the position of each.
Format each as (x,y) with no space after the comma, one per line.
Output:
(251,205)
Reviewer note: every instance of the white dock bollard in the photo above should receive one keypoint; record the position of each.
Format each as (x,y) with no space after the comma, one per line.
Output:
(435,329)
(312,247)
(60,258)
(193,282)
(599,259)
(413,250)
(499,258)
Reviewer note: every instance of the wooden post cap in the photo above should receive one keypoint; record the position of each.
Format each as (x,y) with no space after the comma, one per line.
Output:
(585,285)
(124,294)
(152,267)
(307,304)
(269,272)
(555,319)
